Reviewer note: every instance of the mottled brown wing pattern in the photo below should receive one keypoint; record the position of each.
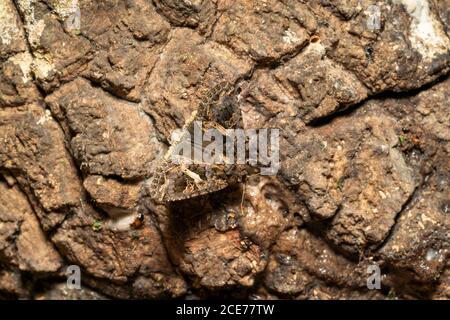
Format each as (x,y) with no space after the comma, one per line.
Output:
(175,182)
(218,109)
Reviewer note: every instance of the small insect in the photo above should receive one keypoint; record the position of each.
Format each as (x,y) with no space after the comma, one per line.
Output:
(138,222)
(245,244)
(218,109)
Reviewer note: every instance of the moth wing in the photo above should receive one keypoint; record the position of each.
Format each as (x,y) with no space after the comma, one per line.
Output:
(186,183)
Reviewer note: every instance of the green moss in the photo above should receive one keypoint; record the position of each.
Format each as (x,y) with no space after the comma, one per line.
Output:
(97,226)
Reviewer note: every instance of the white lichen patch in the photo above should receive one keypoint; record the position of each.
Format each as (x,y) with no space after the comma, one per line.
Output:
(66,8)
(46,117)
(34,28)
(35,31)
(426,34)
(27,9)
(69,12)
(42,66)
(9,28)
(24,60)
(290,37)
(316,48)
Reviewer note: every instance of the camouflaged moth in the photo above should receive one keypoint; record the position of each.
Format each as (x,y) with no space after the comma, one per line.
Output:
(183,179)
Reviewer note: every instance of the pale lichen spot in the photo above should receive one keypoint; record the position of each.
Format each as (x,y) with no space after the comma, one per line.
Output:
(42,67)
(290,37)
(24,60)
(9,29)
(27,9)
(35,31)
(427,35)
(69,12)
(316,48)
(46,117)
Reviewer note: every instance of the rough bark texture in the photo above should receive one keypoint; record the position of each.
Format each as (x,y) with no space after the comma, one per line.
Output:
(86,111)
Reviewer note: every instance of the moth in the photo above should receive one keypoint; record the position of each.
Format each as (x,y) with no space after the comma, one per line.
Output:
(218,109)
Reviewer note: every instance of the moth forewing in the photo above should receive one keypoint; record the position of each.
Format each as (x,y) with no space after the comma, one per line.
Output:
(200,165)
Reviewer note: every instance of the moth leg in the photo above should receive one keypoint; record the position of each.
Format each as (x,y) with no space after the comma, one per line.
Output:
(193,184)
(163,181)
(220,128)
(163,189)
(190,187)
(212,124)
(233,122)
(192,175)
(207,125)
